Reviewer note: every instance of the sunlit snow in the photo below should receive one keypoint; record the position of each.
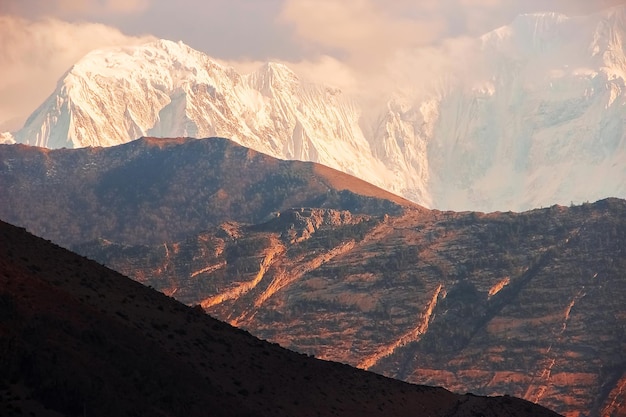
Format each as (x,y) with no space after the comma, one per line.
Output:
(544,123)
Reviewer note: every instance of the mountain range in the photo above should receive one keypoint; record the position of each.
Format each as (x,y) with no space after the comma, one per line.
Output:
(315,226)
(541,123)
(526,304)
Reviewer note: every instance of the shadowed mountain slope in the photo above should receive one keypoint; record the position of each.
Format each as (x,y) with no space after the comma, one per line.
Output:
(154,190)
(528,304)
(79,339)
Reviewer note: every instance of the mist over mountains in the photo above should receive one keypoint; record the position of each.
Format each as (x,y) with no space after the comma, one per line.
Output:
(537,119)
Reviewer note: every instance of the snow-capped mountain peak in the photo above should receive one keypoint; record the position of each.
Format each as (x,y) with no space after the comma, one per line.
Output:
(165,88)
(543,123)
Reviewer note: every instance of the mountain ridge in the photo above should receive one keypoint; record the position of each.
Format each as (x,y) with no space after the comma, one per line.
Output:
(84,194)
(527,303)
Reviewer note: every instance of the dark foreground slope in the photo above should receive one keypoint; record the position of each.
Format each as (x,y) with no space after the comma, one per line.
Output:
(526,304)
(79,339)
(150,191)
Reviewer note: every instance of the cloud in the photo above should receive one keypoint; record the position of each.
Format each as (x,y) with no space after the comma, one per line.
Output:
(367,47)
(358,31)
(69,8)
(125,6)
(373,48)
(352,28)
(34,54)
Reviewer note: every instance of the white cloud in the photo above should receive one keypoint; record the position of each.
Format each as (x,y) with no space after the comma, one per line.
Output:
(359,31)
(34,54)
(367,47)
(379,47)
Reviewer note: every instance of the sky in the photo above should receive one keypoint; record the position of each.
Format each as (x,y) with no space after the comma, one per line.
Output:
(350,44)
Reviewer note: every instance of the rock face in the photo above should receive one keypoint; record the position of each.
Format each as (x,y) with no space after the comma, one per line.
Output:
(526,304)
(538,119)
(78,338)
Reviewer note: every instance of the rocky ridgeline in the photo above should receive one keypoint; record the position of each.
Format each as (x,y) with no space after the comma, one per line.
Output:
(299,224)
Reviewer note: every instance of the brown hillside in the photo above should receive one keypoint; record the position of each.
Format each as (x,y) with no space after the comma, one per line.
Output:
(525,304)
(340,181)
(152,190)
(79,339)
(528,304)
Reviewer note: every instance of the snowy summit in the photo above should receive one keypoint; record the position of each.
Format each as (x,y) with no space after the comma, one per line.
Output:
(542,124)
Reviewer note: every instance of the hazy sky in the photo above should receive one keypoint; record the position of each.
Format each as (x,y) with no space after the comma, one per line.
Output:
(341,42)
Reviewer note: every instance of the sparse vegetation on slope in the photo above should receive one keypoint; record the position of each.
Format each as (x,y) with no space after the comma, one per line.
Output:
(78,339)
(527,304)
(152,191)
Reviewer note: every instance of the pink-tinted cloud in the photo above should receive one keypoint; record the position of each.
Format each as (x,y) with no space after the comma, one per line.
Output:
(34,54)
(358,45)
(358,30)
(66,8)
(386,45)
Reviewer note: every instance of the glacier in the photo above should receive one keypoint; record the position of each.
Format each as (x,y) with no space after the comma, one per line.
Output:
(542,124)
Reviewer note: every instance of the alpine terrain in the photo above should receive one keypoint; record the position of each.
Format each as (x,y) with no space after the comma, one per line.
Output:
(540,121)
(527,304)
(79,339)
